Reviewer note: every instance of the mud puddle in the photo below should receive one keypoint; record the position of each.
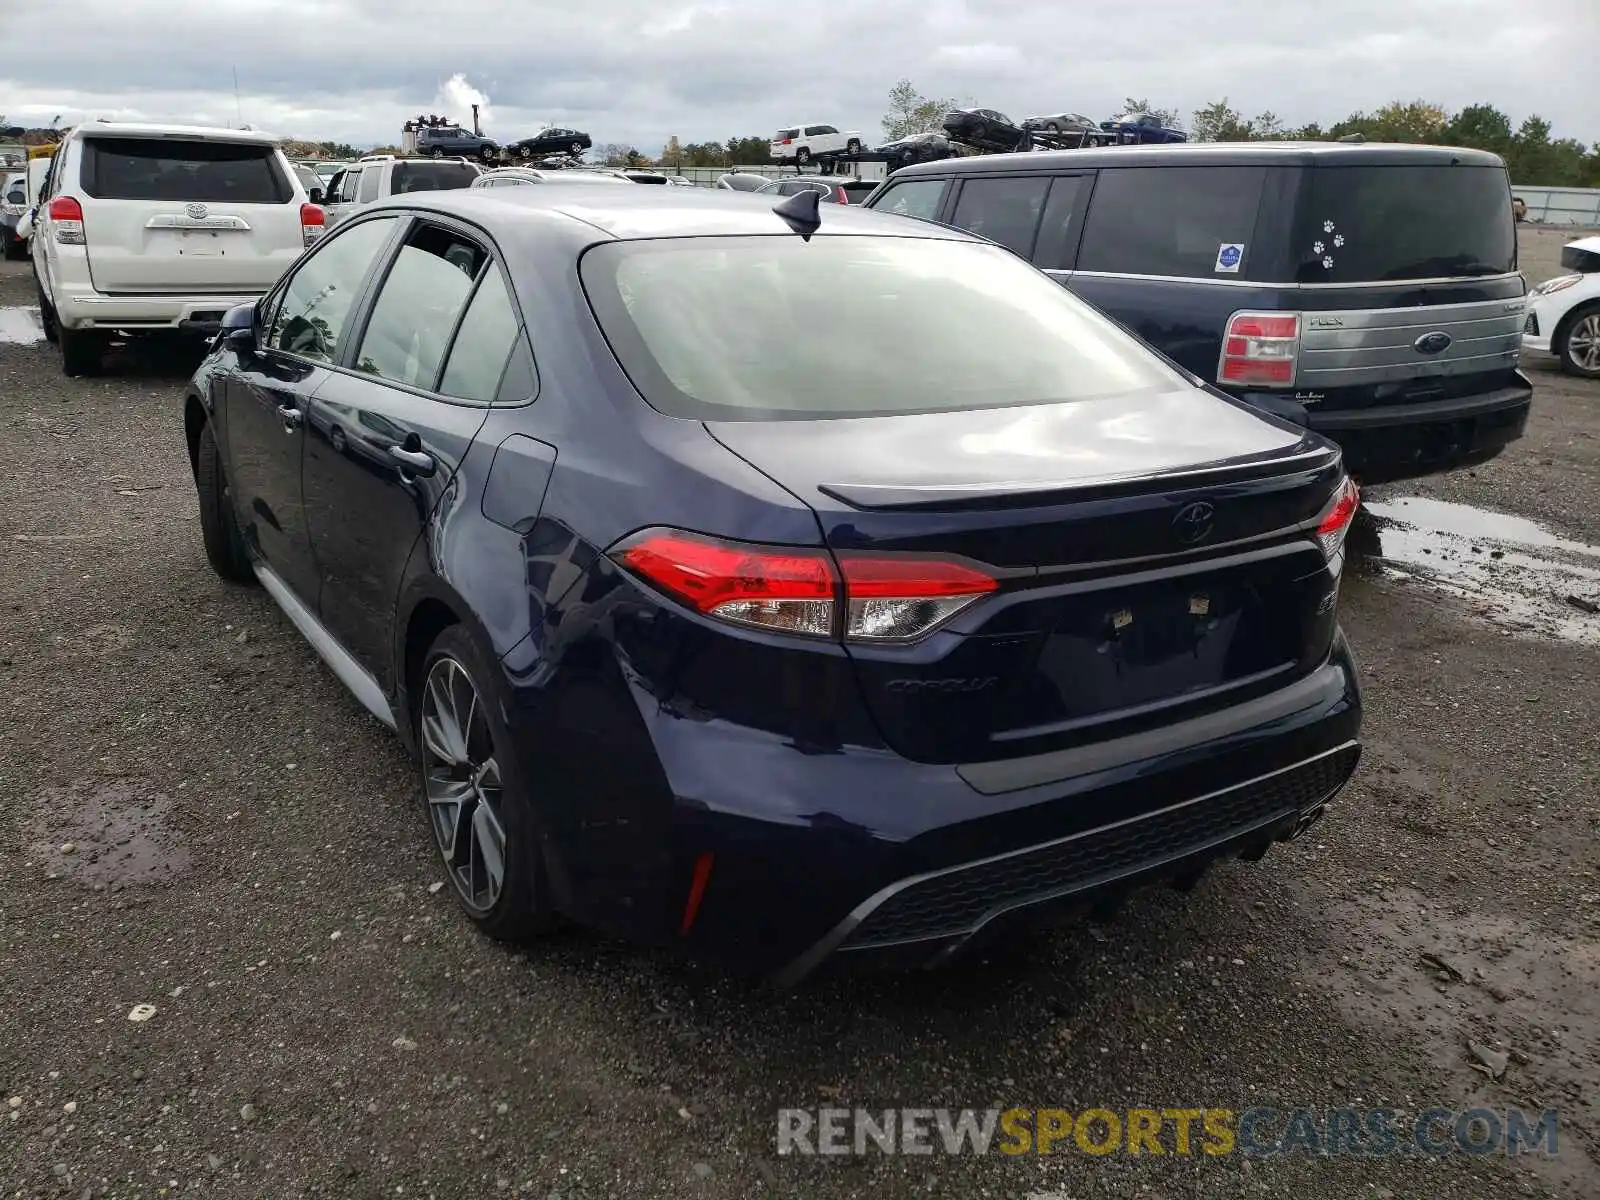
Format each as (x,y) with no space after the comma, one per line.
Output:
(1509,571)
(20,326)
(105,838)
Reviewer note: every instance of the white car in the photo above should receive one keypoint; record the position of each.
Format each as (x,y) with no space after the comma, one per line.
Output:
(1564,313)
(380,176)
(802,143)
(521,176)
(150,228)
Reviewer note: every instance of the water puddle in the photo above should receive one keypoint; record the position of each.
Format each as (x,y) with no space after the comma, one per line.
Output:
(107,838)
(20,326)
(1511,571)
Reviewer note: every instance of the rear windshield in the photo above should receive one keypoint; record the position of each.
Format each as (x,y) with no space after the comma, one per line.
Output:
(431,177)
(774,328)
(1370,224)
(172,169)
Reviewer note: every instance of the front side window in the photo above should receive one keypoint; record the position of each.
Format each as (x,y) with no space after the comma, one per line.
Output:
(1178,221)
(729,328)
(172,169)
(1003,210)
(417,307)
(913,198)
(311,317)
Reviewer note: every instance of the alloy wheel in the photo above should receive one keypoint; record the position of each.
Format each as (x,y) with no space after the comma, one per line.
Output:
(462,779)
(1583,343)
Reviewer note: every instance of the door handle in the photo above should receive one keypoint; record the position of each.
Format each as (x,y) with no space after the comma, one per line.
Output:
(413,462)
(291,415)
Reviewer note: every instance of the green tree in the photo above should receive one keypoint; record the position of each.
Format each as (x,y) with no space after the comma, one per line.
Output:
(749,151)
(1167,116)
(1217,122)
(912,112)
(1480,126)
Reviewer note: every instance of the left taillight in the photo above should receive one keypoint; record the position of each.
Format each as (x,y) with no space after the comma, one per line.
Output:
(66,216)
(1336,518)
(804,590)
(312,222)
(1260,349)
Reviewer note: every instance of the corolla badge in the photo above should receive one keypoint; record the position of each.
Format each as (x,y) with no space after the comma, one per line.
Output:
(197,211)
(1193,522)
(1436,342)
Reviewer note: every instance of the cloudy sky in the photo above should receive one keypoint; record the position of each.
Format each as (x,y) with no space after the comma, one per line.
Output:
(638,72)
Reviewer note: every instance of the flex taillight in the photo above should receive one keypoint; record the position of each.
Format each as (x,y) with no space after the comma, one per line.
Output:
(312,222)
(66,216)
(1336,518)
(801,590)
(840,196)
(1260,348)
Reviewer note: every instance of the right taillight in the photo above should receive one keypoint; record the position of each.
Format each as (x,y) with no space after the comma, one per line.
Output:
(1260,348)
(1336,518)
(313,220)
(66,216)
(803,590)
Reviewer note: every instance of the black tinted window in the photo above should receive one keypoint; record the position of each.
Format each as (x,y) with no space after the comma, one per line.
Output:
(169,169)
(1002,210)
(1173,221)
(431,177)
(1368,224)
(416,310)
(478,356)
(1058,228)
(311,316)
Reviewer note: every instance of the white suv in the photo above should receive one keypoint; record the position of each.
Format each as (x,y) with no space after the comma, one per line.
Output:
(378,177)
(144,228)
(803,143)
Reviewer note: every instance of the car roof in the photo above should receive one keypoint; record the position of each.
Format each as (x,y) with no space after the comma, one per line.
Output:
(141,129)
(627,214)
(1210,154)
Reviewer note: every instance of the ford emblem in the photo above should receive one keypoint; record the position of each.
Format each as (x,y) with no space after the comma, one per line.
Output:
(1436,342)
(197,211)
(1193,522)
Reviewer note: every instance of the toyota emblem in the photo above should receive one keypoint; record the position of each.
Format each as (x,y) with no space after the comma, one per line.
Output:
(197,211)
(1193,522)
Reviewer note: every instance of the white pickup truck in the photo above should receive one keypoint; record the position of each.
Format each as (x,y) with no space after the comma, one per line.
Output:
(802,143)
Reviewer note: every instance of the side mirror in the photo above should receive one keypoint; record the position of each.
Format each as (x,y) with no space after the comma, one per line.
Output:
(315,195)
(239,327)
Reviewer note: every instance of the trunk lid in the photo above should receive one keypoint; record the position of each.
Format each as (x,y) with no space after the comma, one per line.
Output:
(1154,556)
(190,215)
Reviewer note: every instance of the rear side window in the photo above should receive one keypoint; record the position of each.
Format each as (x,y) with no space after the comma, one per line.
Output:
(1173,221)
(431,177)
(913,198)
(170,169)
(478,357)
(369,185)
(1003,210)
(1371,224)
(417,307)
(787,133)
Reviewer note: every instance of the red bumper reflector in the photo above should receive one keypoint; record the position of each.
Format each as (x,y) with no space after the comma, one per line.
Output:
(697,891)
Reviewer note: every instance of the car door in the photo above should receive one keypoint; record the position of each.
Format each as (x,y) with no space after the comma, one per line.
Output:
(410,398)
(303,326)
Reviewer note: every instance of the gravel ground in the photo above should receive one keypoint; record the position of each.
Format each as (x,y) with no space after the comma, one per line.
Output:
(247,857)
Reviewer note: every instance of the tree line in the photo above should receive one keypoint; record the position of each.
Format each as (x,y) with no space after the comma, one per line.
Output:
(1534,158)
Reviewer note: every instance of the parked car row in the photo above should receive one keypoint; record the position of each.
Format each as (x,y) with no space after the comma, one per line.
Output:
(448,140)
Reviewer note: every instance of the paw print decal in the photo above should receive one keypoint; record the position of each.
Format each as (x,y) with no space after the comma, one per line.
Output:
(1327,227)
(1338,240)
(1327,262)
(1319,248)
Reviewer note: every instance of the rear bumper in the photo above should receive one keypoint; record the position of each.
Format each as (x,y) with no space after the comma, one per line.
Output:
(200,315)
(902,863)
(1390,442)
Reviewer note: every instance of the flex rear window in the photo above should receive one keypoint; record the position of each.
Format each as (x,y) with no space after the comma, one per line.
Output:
(192,171)
(431,177)
(1376,224)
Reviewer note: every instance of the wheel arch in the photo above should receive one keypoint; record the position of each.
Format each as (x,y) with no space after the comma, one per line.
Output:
(195,417)
(428,606)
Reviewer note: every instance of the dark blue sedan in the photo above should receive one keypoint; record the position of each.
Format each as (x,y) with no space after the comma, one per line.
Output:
(793,595)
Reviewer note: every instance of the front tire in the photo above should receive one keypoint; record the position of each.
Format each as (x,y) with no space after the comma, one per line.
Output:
(436,152)
(486,153)
(853,146)
(478,805)
(1580,344)
(576,149)
(219,527)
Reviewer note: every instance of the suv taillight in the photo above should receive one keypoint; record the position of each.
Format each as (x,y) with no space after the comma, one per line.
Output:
(312,222)
(1260,348)
(801,590)
(66,215)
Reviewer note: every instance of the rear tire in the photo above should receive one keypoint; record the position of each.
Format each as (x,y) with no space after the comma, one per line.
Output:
(436,152)
(82,351)
(487,153)
(802,156)
(454,687)
(576,149)
(1053,127)
(47,315)
(853,146)
(1580,343)
(219,527)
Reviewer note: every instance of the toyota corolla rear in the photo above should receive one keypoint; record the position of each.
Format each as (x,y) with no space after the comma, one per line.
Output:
(1066,621)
